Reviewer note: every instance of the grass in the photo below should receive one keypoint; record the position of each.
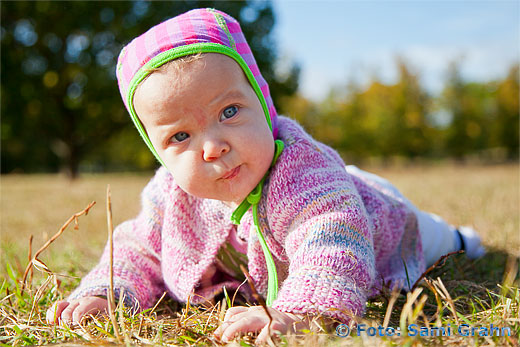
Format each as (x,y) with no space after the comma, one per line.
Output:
(476,293)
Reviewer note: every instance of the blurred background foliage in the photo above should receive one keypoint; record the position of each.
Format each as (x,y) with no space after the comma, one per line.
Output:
(61,109)
(468,121)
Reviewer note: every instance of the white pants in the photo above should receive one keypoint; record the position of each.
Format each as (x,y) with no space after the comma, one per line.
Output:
(438,237)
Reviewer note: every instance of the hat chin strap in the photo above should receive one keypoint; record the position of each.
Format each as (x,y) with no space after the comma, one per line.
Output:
(252,200)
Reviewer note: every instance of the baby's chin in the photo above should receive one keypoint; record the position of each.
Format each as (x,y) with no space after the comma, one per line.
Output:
(231,193)
(229,199)
(231,204)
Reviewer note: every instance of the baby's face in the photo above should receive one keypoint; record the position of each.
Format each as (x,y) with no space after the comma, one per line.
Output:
(207,125)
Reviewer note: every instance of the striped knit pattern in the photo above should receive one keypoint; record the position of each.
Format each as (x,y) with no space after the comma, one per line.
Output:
(333,236)
(195,26)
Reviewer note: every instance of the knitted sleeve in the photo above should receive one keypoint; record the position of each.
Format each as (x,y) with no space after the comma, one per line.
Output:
(317,213)
(137,254)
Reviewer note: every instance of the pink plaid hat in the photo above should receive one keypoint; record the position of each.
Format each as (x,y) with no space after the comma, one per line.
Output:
(200,30)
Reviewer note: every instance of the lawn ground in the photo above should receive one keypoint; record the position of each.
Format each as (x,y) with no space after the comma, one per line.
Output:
(485,197)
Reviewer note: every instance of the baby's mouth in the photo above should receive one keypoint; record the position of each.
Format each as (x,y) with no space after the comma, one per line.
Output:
(231,173)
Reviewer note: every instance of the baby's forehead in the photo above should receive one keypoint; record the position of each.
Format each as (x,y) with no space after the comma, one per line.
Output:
(201,66)
(175,71)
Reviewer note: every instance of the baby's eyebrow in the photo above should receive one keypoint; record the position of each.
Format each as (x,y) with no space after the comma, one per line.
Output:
(167,122)
(231,94)
(165,127)
(165,131)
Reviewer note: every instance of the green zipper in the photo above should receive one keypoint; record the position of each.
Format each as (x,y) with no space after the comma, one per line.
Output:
(252,200)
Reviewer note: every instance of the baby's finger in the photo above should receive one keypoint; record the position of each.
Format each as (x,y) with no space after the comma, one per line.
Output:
(54,312)
(66,315)
(233,311)
(265,332)
(51,313)
(242,326)
(79,312)
(86,307)
(232,315)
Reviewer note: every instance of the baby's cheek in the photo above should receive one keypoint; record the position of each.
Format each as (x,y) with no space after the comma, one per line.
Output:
(184,174)
(191,185)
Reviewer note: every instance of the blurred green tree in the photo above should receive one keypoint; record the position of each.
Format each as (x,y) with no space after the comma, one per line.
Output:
(468,119)
(474,116)
(59,99)
(505,126)
(381,120)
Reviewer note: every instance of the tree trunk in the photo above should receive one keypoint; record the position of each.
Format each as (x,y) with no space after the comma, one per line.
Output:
(72,163)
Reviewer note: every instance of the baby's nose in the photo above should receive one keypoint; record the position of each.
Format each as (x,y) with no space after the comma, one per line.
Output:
(214,149)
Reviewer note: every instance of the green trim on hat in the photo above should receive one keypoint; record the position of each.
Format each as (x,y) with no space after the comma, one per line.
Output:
(177,52)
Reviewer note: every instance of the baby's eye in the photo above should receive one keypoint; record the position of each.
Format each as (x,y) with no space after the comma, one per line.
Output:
(179,137)
(229,112)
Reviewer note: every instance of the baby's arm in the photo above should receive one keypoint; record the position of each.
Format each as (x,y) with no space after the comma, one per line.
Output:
(73,311)
(317,214)
(136,261)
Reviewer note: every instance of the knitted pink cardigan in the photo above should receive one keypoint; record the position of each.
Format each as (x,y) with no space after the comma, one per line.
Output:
(334,237)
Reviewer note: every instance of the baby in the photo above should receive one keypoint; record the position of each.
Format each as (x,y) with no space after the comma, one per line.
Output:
(241,186)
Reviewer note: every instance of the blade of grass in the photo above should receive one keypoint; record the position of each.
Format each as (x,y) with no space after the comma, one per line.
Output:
(73,218)
(30,257)
(111,299)
(157,304)
(439,263)
(406,272)
(228,300)
(448,298)
(406,313)
(391,302)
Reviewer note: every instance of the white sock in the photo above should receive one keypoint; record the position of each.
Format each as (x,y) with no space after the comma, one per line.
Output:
(472,243)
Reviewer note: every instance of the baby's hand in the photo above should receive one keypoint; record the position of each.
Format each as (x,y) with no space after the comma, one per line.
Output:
(67,312)
(241,320)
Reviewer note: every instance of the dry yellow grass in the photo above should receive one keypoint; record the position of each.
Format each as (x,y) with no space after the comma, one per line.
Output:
(39,204)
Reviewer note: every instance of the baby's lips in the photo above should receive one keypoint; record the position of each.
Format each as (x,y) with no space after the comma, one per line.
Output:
(231,173)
